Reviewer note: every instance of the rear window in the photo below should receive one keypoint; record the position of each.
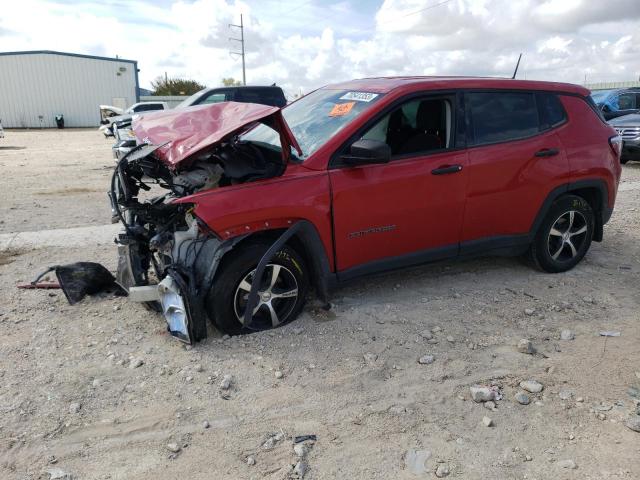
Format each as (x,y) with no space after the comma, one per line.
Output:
(501,116)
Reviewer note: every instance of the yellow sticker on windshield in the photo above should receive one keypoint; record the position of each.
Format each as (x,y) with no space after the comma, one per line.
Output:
(340,109)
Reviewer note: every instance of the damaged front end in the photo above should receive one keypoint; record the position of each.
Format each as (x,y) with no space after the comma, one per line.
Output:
(168,257)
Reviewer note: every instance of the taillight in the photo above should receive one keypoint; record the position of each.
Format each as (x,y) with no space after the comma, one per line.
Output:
(616,145)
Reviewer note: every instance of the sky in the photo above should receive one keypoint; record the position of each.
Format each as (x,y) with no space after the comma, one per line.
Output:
(304,44)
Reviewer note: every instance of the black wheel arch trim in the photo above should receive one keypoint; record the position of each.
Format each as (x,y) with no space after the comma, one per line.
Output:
(321,275)
(602,209)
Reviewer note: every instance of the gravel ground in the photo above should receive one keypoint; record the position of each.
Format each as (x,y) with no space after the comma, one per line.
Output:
(100,391)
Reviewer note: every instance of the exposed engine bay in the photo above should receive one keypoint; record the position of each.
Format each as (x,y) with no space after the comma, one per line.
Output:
(167,256)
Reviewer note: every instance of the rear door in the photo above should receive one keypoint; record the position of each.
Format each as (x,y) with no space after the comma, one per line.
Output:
(409,210)
(515,160)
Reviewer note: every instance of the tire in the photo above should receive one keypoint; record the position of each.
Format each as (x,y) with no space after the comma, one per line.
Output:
(623,160)
(227,296)
(564,236)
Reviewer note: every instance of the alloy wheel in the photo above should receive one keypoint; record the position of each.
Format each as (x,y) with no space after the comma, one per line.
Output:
(567,236)
(277,297)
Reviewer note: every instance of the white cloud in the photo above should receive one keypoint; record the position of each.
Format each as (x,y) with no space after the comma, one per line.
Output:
(305,44)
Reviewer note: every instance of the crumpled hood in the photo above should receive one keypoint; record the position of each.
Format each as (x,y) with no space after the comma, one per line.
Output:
(192,130)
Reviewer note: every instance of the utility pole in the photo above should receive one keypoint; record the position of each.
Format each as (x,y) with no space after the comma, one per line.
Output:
(241,52)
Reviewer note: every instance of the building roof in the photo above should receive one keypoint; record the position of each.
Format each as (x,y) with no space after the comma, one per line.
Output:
(387,84)
(66,54)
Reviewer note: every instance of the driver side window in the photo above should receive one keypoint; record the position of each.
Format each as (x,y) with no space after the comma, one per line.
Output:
(420,125)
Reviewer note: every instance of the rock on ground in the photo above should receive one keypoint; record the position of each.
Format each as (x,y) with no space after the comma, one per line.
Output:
(522,398)
(482,394)
(569,464)
(531,386)
(525,346)
(414,461)
(567,335)
(442,470)
(426,360)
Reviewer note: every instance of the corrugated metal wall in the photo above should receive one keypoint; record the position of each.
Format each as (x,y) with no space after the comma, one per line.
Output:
(34,88)
(172,100)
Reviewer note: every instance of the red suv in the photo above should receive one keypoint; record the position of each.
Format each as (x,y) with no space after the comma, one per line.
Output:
(259,204)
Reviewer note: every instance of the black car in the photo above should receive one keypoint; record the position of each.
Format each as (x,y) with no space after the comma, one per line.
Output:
(271,95)
(616,103)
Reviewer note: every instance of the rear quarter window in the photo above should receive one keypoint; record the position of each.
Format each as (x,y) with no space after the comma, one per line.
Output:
(551,111)
(501,116)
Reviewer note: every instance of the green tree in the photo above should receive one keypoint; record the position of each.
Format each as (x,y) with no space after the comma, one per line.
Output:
(175,86)
(231,82)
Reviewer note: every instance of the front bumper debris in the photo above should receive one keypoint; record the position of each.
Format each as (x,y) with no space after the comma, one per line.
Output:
(173,303)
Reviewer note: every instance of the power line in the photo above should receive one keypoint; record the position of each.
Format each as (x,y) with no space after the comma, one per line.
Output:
(412,13)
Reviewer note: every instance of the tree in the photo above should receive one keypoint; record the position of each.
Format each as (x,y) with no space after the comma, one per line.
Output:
(175,86)
(231,82)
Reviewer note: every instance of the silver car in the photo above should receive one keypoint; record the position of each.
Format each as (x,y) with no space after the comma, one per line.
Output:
(628,127)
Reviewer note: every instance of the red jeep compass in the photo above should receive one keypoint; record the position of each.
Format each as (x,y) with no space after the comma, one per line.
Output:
(257,204)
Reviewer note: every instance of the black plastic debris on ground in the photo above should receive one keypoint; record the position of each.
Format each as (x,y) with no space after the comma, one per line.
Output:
(83,278)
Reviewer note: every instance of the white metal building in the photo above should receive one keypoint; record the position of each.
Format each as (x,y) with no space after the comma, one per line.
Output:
(38,85)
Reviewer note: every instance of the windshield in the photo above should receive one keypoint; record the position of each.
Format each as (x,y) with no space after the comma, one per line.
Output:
(600,96)
(315,118)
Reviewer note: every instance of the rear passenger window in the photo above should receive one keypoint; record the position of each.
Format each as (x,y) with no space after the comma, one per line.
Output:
(498,117)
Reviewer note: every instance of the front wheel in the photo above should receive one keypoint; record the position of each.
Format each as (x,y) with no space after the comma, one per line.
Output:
(281,294)
(564,236)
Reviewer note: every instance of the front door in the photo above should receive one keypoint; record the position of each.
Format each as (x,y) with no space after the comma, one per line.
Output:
(409,210)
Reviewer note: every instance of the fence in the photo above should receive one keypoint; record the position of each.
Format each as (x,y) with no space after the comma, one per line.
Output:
(611,85)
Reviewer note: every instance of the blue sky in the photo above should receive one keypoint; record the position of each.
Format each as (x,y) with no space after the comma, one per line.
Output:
(308,43)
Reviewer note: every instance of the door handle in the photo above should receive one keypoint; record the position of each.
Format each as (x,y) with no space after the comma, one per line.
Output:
(445,170)
(547,152)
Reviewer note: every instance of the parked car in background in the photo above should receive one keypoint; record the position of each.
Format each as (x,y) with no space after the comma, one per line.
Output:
(258,204)
(107,127)
(108,111)
(628,127)
(264,95)
(616,103)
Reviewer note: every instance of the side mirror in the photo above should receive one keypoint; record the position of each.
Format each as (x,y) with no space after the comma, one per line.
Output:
(364,152)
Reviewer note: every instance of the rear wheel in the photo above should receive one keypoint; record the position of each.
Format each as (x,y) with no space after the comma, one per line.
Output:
(564,236)
(281,294)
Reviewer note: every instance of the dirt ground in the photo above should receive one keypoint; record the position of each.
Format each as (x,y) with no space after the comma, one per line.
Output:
(72,400)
